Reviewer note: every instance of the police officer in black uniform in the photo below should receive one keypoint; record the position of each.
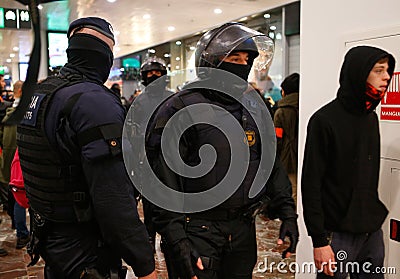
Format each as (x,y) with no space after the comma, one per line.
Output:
(154,76)
(221,242)
(84,216)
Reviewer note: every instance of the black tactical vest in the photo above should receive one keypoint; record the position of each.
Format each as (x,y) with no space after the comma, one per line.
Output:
(55,185)
(206,134)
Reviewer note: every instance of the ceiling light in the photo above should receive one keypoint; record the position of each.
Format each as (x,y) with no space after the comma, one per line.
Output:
(278,36)
(272,27)
(271,35)
(15,48)
(12,55)
(166,55)
(243,18)
(267,16)
(171,28)
(40,7)
(177,67)
(217,11)
(178,43)
(192,48)
(111,1)
(152,50)
(146,16)
(117,48)
(8,60)
(177,58)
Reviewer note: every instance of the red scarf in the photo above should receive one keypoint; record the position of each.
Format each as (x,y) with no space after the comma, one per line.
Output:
(373,96)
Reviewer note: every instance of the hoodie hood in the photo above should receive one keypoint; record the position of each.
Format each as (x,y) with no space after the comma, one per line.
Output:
(291,100)
(356,67)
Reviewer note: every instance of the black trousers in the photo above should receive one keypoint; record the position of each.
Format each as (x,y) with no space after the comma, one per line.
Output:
(360,255)
(70,248)
(228,248)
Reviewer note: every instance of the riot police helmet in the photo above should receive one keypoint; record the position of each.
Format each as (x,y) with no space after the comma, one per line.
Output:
(152,64)
(217,44)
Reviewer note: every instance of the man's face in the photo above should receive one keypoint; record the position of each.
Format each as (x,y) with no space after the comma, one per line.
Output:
(153,73)
(2,83)
(379,76)
(237,57)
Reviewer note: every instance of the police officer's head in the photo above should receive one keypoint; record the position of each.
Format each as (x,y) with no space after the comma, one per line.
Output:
(233,47)
(90,47)
(151,69)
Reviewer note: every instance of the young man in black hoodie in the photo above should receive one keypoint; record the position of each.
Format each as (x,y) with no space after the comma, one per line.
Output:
(342,210)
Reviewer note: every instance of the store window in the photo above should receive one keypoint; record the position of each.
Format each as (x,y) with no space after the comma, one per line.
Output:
(282,25)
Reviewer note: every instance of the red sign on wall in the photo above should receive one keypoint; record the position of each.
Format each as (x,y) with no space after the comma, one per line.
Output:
(390,105)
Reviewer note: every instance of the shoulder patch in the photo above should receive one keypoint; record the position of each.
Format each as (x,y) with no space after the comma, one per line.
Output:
(31,113)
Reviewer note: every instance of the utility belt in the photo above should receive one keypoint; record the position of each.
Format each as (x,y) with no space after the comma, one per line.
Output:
(218,214)
(248,212)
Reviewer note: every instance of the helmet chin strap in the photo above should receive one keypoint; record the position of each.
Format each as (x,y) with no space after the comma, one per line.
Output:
(33,68)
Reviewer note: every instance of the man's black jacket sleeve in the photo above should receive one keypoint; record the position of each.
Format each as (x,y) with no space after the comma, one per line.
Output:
(279,190)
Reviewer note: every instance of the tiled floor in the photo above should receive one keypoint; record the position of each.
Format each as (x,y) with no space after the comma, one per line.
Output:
(14,265)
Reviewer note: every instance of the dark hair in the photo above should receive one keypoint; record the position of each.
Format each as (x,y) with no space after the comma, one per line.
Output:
(291,84)
(116,88)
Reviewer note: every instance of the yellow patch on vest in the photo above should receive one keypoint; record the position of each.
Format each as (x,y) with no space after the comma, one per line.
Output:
(250,138)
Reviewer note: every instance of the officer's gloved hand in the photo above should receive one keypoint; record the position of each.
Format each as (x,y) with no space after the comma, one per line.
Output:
(289,228)
(183,254)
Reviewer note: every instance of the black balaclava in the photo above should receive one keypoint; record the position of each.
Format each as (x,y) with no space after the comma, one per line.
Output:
(356,67)
(239,70)
(149,80)
(235,86)
(90,56)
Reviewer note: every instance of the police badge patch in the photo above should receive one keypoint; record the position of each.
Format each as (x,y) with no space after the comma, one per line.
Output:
(250,138)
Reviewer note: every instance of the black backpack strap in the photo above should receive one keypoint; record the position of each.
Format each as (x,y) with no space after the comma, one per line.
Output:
(67,109)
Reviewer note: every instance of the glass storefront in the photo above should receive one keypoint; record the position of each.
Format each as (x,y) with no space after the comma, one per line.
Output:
(179,54)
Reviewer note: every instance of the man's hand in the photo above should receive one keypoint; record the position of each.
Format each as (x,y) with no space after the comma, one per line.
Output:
(324,259)
(152,275)
(289,228)
(184,253)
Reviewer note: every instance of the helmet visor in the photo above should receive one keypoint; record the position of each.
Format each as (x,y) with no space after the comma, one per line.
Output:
(240,38)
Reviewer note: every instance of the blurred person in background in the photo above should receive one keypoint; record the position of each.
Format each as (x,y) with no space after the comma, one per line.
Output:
(286,121)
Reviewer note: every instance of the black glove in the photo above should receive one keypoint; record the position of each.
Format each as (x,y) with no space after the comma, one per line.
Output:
(183,254)
(289,228)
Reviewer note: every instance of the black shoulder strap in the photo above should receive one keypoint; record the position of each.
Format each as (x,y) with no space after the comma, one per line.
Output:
(66,111)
